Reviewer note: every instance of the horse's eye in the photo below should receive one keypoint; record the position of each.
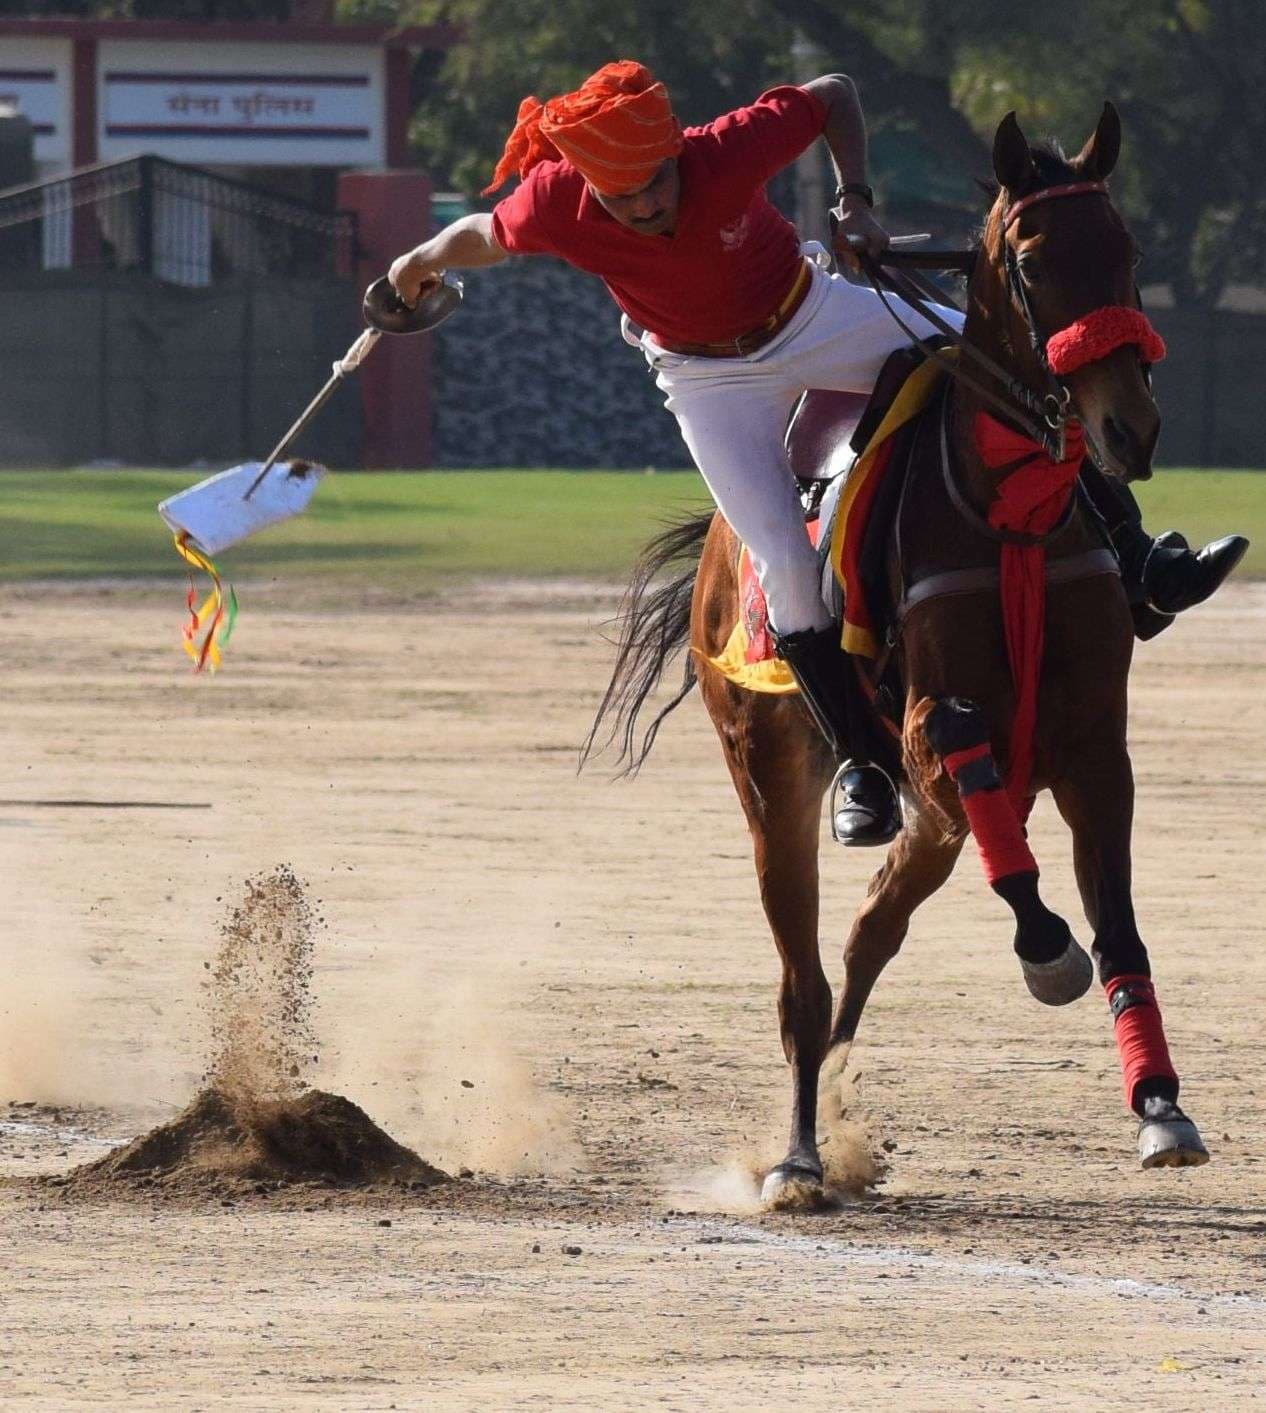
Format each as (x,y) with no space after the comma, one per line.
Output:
(1031,271)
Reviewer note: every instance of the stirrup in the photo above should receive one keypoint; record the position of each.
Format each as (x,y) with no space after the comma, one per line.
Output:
(877,825)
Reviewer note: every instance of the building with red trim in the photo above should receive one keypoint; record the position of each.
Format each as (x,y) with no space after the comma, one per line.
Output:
(308,109)
(225,95)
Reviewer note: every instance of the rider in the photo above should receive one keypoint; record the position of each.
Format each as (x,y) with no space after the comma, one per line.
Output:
(736,323)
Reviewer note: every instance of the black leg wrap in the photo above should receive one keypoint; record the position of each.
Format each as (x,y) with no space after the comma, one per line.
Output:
(955,724)
(1040,935)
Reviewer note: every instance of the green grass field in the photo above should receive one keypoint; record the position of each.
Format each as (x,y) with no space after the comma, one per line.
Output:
(418,530)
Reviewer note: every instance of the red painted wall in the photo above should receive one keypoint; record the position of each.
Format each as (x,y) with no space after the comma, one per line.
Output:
(393,211)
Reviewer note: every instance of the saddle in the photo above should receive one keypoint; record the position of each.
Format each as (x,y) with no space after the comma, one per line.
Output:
(853,458)
(829,430)
(825,435)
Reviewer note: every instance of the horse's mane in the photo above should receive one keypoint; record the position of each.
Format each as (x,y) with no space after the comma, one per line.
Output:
(1051,162)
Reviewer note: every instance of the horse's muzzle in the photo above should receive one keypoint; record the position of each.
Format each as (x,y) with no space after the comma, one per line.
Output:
(1130,446)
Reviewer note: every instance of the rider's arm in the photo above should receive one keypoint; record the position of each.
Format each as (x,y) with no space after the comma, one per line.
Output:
(844,128)
(468,244)
(845,134)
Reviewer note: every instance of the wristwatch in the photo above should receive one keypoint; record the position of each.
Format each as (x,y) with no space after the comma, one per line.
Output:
(866,193)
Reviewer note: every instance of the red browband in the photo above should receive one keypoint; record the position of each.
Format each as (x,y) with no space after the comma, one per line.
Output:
(1093,337)
(1014,211)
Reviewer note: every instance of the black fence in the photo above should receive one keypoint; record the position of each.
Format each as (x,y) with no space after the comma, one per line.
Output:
(1209,387)
(124,368)
(174,223)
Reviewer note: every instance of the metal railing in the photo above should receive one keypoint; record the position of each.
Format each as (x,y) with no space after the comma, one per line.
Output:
(173,222)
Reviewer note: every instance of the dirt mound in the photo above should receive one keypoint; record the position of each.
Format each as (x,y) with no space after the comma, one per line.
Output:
(221,1142)
(257,1124)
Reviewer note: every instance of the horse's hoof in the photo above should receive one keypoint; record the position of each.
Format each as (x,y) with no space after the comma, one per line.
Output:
(1064,980)
(793,1187)
(1171,1140)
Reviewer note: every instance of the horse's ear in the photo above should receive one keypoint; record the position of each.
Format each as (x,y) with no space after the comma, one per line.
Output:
(1097,159)
(1012,160)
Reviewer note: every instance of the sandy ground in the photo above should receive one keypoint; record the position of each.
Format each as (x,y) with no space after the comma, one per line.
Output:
(564,987)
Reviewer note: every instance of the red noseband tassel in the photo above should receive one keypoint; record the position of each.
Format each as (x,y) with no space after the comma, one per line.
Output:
(1094,337)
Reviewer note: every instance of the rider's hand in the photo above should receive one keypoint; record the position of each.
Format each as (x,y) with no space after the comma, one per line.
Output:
(857,219)
(410,277)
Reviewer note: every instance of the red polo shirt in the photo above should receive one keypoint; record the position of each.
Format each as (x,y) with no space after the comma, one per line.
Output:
(731,259)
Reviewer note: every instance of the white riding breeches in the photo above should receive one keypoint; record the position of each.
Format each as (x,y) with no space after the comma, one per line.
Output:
(733,415)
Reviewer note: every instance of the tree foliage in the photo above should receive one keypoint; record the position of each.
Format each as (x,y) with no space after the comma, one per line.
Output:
(1187,75)
(712,57)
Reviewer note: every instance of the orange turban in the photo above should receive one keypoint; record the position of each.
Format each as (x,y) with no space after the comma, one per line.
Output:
(616,129)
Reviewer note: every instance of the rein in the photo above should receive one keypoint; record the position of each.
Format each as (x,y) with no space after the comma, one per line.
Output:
(1042,415)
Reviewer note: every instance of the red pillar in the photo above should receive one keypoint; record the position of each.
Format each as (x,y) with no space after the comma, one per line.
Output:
(83,118)
(398,64)
(84,235)
(393,211)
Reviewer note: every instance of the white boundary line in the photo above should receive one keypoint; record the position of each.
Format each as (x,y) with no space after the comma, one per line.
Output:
(1008,1272)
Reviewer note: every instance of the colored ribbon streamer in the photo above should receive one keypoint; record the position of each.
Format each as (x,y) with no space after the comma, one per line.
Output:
(210,624)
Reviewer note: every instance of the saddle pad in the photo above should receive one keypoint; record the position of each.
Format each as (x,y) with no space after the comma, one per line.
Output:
(857,499)
(748,658)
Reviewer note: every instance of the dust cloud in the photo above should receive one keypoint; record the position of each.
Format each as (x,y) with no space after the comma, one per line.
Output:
(55,1050)
(439,1063)
(259,994)
(258,1120)
(443,1066)
(847,1145)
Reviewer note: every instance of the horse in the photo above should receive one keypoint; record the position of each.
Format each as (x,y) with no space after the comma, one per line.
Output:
(1052,251)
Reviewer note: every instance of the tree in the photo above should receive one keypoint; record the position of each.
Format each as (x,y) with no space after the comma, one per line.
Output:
(712,57)
(1187,76)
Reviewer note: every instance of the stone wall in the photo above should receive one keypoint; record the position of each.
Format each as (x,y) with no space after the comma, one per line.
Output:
(532,371)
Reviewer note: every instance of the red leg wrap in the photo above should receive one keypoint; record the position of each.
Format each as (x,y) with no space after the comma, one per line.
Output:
(1140,1036)
(994,824)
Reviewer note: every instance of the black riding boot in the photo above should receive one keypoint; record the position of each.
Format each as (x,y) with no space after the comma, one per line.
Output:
(1162,576)
(864,805)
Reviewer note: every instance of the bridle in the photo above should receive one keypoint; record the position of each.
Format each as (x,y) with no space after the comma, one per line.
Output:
(1018,290)
(1042,413)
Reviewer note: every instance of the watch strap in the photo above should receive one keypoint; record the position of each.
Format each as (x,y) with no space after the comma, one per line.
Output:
(861,189)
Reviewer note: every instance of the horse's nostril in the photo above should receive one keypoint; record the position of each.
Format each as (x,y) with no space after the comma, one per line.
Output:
(1120,438)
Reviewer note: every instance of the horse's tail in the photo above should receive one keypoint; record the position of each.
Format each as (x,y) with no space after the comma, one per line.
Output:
(654,625)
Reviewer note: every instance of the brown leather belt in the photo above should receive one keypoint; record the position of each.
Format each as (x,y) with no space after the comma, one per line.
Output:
(755,338)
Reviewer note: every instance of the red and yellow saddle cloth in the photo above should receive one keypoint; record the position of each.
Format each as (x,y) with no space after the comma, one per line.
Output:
(748,656)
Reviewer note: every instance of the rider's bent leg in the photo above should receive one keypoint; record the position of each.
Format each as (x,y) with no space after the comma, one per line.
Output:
(733,415)
(733,421)
(864,806)
(1162,576)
